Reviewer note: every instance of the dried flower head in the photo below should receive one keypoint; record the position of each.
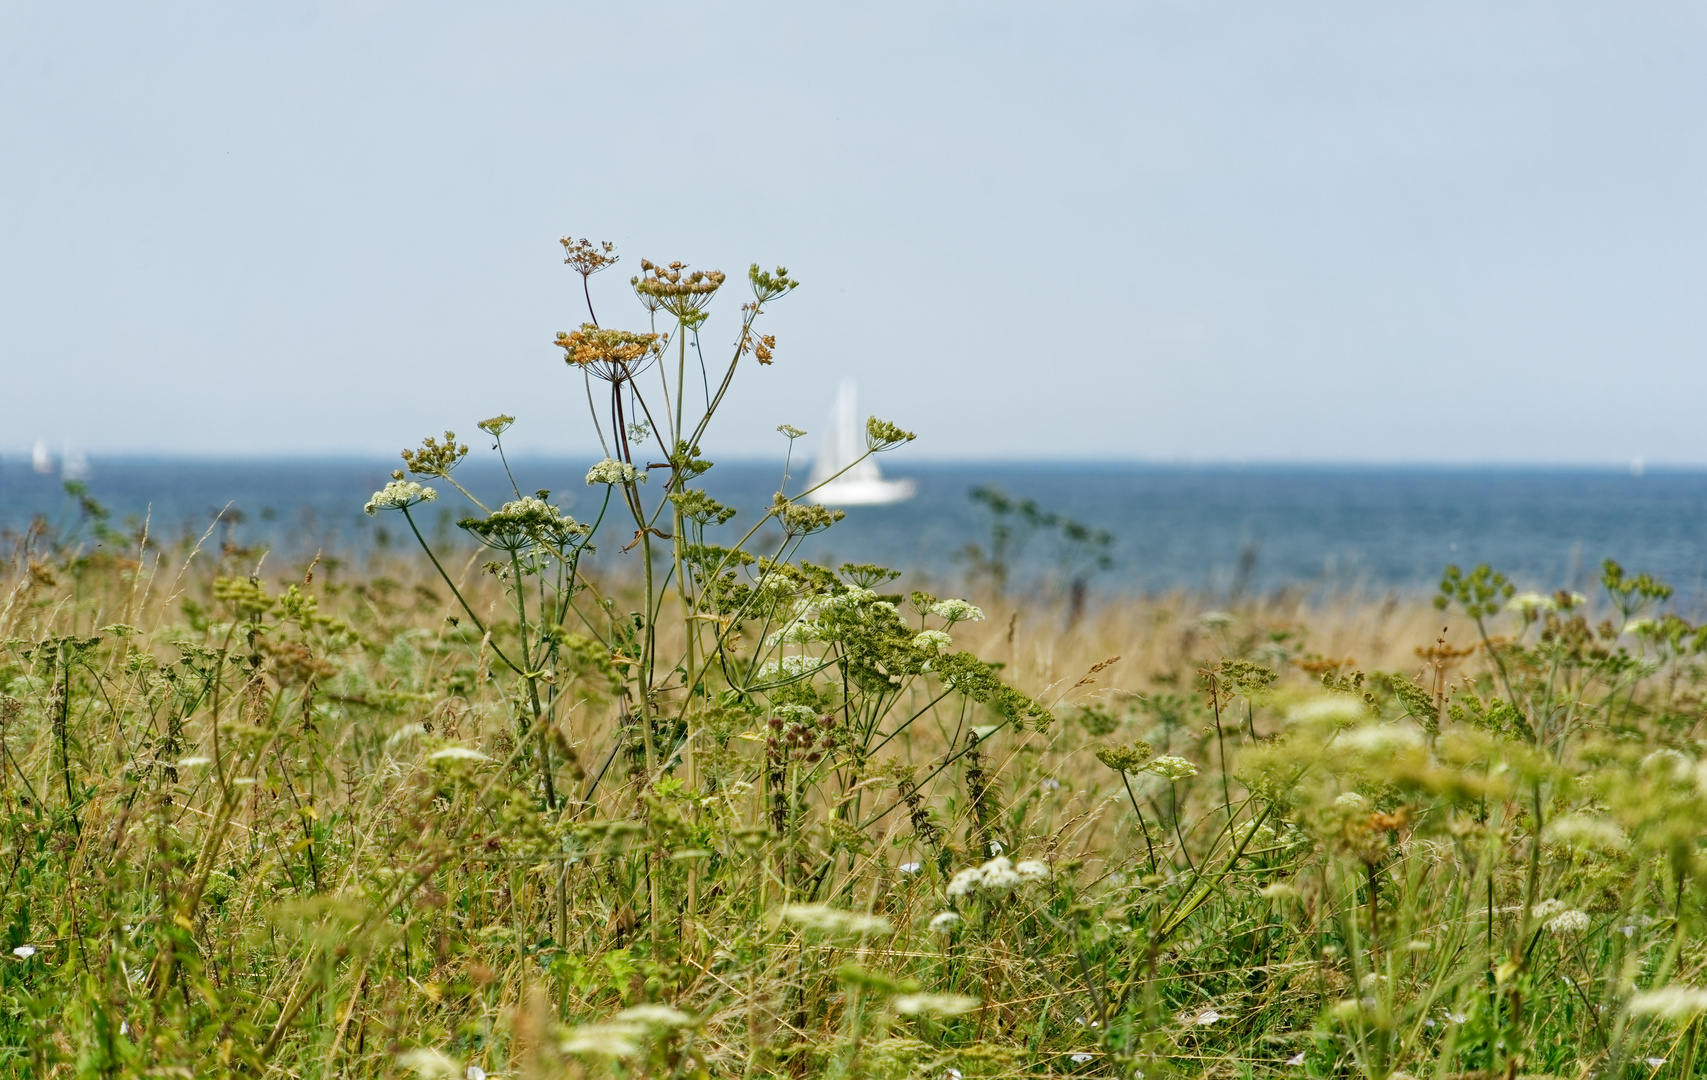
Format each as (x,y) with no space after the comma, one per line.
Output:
(674,289)
(497,425)
(588,258)
(881,435)
(612,355)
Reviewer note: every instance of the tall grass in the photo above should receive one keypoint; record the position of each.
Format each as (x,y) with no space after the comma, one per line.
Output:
(729,813)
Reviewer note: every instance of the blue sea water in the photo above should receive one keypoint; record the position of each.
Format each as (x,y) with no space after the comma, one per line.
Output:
(1206,528)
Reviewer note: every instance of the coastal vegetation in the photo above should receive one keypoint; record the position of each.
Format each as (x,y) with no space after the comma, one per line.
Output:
(635,795)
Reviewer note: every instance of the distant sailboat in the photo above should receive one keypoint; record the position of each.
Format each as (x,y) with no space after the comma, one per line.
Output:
(844,442)
(42,460)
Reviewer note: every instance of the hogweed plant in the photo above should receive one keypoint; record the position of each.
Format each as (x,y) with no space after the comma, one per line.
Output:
(634,795)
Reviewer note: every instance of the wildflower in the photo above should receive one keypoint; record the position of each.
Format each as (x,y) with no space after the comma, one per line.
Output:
(24,952)
(612,471)
(1205,1018)
(586,258)
(601,1040)
(909,867)
(1080,1059)
(193,762)
(789,667)
(790,431)
(683,295)
(1654,1062)
(1032,870)
(428,1063)
(1568,922)
(944,922)
(1125,757)
(1050,784)
(932,641)
(399,495)
(828,920)
(457,753)
(1172,768)
(956,611)
(1296,1059)
(474,1072)
(996,878)
(1216,620)
(933,1004)
(1352,802)
(653,1016)
(612,355)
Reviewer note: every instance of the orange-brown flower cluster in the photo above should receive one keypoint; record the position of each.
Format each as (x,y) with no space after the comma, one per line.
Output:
(610,354)
(586,257)
(675,290)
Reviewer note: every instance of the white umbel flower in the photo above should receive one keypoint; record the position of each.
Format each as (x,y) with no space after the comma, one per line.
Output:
(1569,922)
(1171,768)
(612,471)
(932,641)
(944,922)
(957,611)
(398,495)
(834,921)
(996,878)
(933,1004)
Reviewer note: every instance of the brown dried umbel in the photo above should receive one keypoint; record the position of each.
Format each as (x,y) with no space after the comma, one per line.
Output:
(675,290)
(435,458)
(612,355)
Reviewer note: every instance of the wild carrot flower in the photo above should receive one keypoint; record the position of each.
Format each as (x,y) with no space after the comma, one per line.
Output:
(398,495)
(956,611)
(1170,767)
(1568,922)
(612,471)
(944,922)
(934,641)
(996,878)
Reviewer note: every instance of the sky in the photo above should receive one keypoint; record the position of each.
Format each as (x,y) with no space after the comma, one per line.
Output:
(1431,232)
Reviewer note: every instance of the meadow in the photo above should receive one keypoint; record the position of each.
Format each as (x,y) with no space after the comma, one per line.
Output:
(715,810)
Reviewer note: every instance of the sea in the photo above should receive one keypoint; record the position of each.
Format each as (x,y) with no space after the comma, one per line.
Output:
(1214,530)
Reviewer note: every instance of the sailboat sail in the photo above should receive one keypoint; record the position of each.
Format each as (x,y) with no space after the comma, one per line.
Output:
(860,483)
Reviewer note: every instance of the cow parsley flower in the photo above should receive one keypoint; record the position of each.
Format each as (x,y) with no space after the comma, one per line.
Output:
(933,641)
(956,611)
(1568,922)
(612,471)
(789,667)
(944,922)
(996,878)
(1171,768)
(399,495)
(1032,870)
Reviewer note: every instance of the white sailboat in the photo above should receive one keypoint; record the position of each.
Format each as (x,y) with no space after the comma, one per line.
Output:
(42,460)
(844,442)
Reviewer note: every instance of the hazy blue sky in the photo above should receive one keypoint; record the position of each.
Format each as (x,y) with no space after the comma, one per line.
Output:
(1420,231)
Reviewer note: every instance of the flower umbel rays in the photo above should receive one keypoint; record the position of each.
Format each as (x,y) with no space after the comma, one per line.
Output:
(612,471)
(399,495)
